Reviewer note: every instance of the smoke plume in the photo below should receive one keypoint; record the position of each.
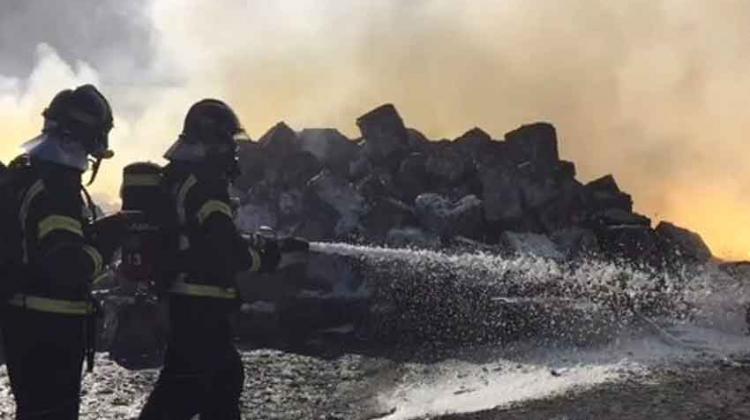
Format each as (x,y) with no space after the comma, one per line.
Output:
(654,91)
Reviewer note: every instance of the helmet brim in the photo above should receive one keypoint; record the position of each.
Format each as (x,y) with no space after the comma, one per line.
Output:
(184,151)
(241,136)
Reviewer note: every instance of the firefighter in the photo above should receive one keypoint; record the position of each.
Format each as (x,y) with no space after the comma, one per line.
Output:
(47,324)
(203,372)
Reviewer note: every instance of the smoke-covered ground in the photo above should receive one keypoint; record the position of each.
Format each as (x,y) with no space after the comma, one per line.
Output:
(670,346)
(710,392)
(635,378)
(287,386)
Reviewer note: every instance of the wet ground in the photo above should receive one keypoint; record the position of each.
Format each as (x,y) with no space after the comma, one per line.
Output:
(282,385)
(278,385)
(697,392)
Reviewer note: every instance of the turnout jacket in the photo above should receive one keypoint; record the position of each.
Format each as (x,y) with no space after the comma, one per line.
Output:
(60,257)
(210,250)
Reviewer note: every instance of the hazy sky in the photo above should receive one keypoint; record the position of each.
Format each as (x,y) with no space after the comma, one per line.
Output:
(656,92)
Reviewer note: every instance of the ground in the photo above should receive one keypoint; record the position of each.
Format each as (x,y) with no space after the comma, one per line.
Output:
(707,392)
(283,385)
(278,385)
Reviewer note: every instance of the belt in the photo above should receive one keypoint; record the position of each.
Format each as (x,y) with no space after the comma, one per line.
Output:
(181,287)
(57,306)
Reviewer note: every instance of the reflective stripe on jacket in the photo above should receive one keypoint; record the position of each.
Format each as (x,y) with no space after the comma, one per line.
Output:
(61,262)
(212,251)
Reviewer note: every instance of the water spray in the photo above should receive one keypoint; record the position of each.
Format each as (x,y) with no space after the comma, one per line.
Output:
(528,284)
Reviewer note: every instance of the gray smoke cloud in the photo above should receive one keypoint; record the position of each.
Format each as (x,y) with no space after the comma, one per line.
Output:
(113,36)
(654,91)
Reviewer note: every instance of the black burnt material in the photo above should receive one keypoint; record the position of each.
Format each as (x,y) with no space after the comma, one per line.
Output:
(394,182)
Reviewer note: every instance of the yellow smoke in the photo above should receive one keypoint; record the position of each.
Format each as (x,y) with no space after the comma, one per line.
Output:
(656,92)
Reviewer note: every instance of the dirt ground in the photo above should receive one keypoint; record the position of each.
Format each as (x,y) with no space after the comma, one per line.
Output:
(287,386)
(709,392)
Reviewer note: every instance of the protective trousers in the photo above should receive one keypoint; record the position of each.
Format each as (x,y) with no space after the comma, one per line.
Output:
(203,372)
(44,353)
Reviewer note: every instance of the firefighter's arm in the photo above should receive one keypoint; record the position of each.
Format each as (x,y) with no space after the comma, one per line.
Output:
(265,252)
(224,250)
(55,240)
(254,253)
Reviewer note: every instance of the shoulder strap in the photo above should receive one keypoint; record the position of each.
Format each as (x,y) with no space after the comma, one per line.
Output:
(180,193)
(89,204)
(22,187)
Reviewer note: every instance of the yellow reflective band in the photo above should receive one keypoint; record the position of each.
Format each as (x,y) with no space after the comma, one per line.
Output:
(31,193)
(101,277)
(96,259)
(256,260)
(58,222)
(141,180)
(182,197)
(58,306)
(180,287)
(34,190)
(213,206)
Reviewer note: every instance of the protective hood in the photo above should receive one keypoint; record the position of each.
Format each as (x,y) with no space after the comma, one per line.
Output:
(47,147)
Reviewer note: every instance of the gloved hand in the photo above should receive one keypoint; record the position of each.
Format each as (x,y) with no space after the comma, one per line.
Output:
(267,248)
(108,234)
(293,251)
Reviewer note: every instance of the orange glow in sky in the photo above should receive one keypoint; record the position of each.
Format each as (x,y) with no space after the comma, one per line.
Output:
(656,92)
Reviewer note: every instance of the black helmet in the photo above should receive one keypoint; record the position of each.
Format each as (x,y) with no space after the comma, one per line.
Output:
(82,115)
(209,135)
(213,123)
(76,130)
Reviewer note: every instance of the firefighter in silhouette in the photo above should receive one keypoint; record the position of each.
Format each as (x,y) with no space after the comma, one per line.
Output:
(47,316)
(203,372)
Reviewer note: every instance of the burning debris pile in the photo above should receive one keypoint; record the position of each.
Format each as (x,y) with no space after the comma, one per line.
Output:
(393,186)
(397,217)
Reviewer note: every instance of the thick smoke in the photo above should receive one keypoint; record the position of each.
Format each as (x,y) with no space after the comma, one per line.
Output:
(112,34)
(652,91)
(47,45)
